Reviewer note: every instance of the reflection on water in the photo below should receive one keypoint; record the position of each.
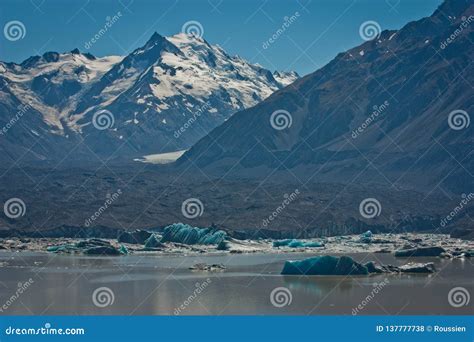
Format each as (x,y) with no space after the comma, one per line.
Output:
(317,285)
(158,285)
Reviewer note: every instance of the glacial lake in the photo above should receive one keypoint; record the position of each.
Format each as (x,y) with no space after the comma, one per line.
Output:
(158,285)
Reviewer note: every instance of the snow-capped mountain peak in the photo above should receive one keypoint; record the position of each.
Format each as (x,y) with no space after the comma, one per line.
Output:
(152,93)
(155,45)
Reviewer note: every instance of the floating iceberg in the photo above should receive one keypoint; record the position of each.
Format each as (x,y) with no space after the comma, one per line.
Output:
(184,233)
(67,248)
(366,237)
(207,267)
(136,237)
(420,252)
(89,247)
(153,242)
(123,250)
(345,265)
(418,268)
(223,246)
(102,250)
(293,243)
(324,265)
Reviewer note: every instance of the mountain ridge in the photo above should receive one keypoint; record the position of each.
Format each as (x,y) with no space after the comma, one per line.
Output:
(402,69)
(64,91)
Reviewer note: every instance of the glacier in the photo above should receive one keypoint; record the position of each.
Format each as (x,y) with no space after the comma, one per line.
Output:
(293,243)
(184,233)
(153,242)
(324,265)
(366,237)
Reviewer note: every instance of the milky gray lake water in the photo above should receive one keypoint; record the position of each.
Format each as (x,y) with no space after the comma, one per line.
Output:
(158,285)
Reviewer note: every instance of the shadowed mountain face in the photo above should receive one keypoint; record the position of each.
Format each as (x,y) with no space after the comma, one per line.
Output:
(394,110)
(162,97)
(387,121)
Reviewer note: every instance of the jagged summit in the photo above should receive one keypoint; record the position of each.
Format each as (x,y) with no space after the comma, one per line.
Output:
(155,94)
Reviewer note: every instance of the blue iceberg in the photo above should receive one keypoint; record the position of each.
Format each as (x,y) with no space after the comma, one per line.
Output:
(366,237)
(153,242)
(223,246)
(324,265)
(293,243)
(123,250)
(184,233)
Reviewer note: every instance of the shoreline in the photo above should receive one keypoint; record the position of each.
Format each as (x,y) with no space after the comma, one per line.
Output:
(380,243)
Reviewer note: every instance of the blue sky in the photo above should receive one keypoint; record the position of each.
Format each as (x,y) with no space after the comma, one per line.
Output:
(322,29)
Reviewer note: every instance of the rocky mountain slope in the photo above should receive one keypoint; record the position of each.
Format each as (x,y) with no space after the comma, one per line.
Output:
(394,110)
(162,97)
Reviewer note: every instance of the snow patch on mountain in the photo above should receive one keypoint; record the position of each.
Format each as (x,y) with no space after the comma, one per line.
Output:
(180,83)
